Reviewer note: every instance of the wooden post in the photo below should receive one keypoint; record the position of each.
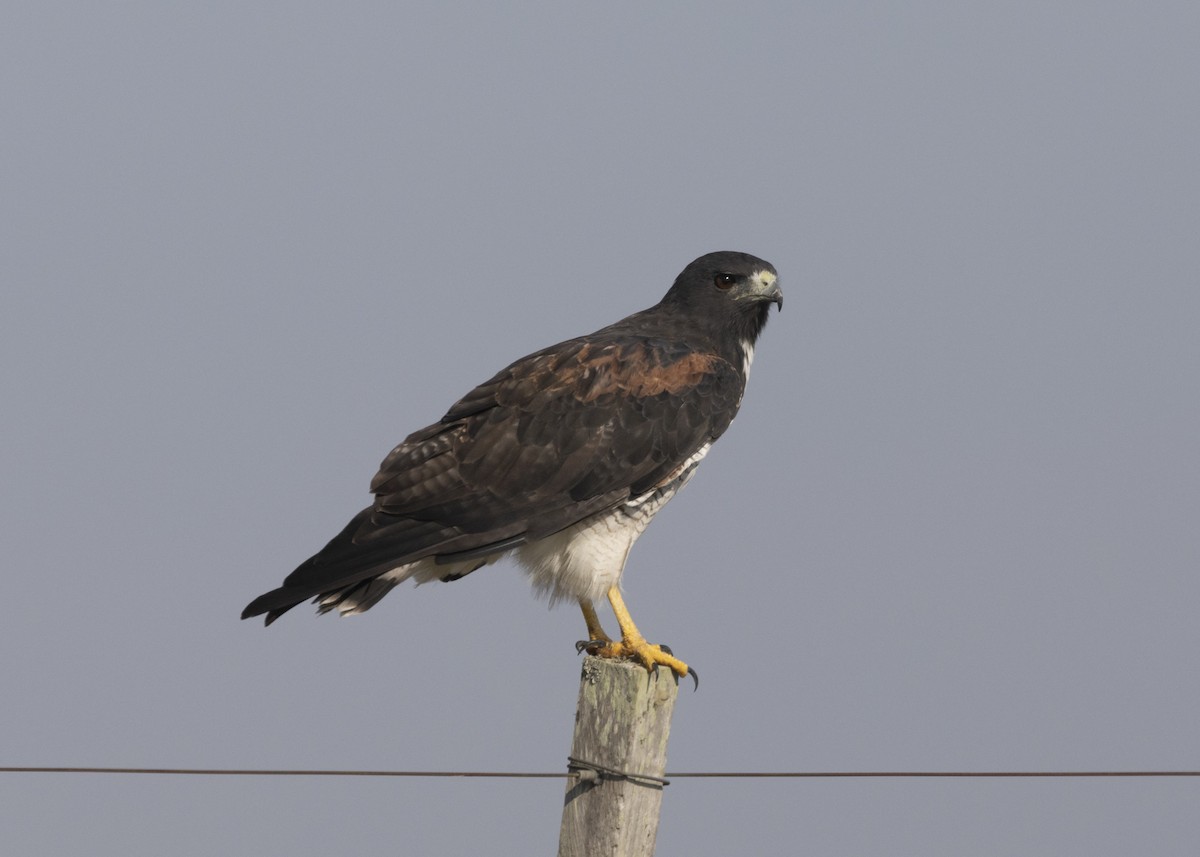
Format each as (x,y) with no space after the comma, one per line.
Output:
(622,725)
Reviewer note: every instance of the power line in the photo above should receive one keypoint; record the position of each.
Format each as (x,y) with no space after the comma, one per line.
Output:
(296,772)
(290,772)
(930,774)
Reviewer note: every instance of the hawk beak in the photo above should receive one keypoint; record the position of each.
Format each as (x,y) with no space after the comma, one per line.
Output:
(765,287)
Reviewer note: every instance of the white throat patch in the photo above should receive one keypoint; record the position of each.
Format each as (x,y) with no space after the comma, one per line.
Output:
(747,356)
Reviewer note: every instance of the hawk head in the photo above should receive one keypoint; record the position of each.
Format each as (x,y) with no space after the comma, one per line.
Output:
(729,292)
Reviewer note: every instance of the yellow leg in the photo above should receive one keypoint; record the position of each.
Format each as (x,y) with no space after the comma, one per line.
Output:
(595,632)
(632,643)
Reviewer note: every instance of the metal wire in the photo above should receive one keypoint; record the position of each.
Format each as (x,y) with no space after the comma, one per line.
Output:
(595,772)
(295,772)
(900,774)
(268,772)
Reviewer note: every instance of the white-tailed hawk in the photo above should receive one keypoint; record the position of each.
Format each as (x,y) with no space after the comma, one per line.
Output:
(561,459)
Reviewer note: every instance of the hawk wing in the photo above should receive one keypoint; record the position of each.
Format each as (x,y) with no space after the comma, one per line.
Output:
(554,438)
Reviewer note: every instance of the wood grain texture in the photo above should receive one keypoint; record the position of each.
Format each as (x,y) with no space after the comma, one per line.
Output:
(622,723)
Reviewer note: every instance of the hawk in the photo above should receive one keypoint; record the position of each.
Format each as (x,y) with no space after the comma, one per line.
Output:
(561,460)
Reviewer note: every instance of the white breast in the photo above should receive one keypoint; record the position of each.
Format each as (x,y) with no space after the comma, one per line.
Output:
(583,561)
(587,560)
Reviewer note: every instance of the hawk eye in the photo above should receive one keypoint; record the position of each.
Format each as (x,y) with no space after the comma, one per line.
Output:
(724,281)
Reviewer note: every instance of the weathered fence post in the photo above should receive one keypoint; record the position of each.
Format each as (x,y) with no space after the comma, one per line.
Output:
(620,750)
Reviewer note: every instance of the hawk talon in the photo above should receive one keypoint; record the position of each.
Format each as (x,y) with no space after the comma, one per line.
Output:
(648,655)
(588,646)
(695,677)
(691,672)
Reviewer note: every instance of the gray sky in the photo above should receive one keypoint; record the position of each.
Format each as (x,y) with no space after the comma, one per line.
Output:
(248,247)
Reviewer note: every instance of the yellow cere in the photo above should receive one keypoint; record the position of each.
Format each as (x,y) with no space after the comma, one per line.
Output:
(764,278)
